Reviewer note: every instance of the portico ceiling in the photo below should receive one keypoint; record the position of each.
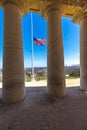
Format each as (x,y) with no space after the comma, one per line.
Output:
(68,7)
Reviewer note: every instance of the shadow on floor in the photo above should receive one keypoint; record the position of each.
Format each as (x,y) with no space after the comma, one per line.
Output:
(72,93)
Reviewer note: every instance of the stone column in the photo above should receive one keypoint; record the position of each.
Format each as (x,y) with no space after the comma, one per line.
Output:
(81,18)
(56,75)
(83,53)
(13,62)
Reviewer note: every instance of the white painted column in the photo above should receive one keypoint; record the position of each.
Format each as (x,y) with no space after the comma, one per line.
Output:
(83,53)
(56,74)
(13,62)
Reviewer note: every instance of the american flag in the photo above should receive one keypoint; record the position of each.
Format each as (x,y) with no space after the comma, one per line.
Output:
(38,41)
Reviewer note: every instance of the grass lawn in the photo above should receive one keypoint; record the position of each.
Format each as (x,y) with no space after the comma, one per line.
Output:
(38,78)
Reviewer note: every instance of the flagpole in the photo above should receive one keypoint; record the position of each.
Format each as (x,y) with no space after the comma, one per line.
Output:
(32,49)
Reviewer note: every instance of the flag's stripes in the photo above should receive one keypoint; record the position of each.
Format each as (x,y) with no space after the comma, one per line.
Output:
(38,41)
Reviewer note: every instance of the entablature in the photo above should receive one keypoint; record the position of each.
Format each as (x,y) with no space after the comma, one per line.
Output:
(69,8)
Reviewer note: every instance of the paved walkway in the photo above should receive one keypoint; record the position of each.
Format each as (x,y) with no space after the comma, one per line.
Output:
(40,112)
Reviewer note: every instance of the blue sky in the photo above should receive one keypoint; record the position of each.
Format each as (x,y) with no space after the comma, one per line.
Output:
(71,40)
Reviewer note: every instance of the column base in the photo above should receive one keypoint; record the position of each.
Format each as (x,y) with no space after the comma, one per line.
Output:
(54,91)
(83,87)
(13,93)
(83,83)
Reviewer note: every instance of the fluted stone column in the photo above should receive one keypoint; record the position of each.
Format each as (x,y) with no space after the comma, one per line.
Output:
(56,75)
(83,53)
(13,63)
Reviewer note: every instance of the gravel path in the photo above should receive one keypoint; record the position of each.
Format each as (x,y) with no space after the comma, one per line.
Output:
(69,83)
(40,112)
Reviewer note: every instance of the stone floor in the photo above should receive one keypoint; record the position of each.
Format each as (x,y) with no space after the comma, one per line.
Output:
(40,112)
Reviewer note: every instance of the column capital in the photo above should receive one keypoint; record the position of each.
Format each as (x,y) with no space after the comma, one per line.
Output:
(80,15)
(50,6)
(19,3)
